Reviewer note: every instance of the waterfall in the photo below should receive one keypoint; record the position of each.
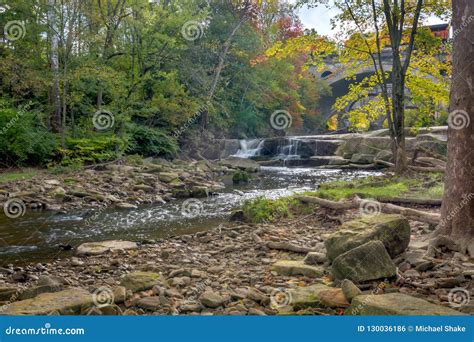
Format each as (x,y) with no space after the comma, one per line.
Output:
(290,150)
(249,148)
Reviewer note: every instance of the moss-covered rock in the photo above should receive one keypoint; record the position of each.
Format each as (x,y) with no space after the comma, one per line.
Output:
(306,296)
(360,158)
(168,177)
(141,281)
(296,267)
(367,262)
(72,301)
(396,304)
(392,230)
(241,164)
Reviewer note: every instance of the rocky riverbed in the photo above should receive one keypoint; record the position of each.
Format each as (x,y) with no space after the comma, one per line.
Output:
(118,185)
(253,269)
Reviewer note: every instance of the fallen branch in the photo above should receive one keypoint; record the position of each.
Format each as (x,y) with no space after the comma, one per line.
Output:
(327,203)
(384,207)
(286,246)
(430,153)
(412,167)
(402,200)
(429,161)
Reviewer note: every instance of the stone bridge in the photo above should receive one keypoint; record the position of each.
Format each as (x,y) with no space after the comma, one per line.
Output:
(336,77)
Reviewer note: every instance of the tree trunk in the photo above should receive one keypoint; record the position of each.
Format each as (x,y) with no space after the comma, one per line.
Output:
(218,71)
(54,62)
(457,212)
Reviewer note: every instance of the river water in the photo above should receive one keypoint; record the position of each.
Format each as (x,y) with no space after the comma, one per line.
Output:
(36,236)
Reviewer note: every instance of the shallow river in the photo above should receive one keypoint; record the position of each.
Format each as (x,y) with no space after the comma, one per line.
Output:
(36,236)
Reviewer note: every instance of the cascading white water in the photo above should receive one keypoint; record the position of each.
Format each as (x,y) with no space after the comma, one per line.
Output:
(249,148)
(290,150)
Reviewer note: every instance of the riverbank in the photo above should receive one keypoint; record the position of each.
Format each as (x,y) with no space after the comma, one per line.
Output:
(112,185)
(231,270)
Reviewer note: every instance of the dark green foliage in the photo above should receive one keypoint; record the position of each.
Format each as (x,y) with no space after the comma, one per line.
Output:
(23,139)
(151,142)
(240,177)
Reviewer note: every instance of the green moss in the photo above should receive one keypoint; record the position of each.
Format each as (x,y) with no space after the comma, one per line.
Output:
(14,176)
(426,186)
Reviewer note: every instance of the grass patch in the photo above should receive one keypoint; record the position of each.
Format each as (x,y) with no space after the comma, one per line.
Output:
(20,175)
(426,187)
(262,209)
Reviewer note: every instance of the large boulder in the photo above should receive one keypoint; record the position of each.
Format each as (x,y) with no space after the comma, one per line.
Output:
(141,281)
(97,248)
(72,301)
(367,262)
(396,304)
(361,158)
(241,163)
(392,230)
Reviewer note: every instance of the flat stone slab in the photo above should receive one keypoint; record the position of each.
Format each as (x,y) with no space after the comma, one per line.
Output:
(72,301)
(398,304)
(97,248)
(306,296)
(141,281)
(297,268)
(393,230)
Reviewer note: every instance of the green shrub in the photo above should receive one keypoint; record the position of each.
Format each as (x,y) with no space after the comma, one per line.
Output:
(150,142)
(267,210)
(240,176)
(23,139)
(92,150)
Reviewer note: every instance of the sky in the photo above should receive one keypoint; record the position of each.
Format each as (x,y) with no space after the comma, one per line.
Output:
(319,19)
